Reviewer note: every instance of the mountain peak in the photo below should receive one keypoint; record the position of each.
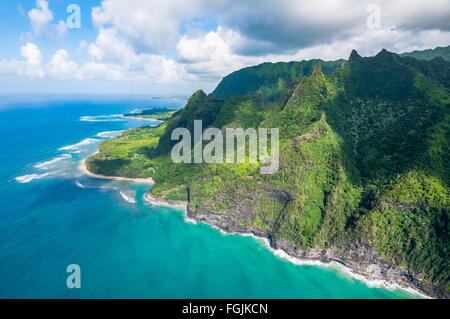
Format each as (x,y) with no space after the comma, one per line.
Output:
(354,55)
(384,53)
(317,69)
(199,93)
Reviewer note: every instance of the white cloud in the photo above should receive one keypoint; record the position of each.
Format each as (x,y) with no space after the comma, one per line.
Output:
(31,67)
(416,14)
(115,58)
(62,67)
(60,29)
(254,31)
(33,56)
(211,55)
(109,47)
(40,16)
(200,41)
(94,70)
(149,24)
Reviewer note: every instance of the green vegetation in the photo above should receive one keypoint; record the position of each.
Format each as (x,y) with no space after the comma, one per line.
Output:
(156,113)
(443,52)
(364,156)
(128,154)
(269,79)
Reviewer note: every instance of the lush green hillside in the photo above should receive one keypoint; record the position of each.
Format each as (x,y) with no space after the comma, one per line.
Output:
(155,113)
(443,52)
(364,158)
(269,79)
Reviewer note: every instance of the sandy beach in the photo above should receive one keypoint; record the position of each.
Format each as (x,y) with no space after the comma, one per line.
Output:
(141,118)
(162,202)
(147,197)
(84,169)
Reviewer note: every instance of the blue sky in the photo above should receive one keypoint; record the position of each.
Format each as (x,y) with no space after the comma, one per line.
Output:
(156,47)
(15,22)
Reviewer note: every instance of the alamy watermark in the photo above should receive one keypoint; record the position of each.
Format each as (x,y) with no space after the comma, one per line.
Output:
(74,19)
(74,279)
(374,19)
(235,144)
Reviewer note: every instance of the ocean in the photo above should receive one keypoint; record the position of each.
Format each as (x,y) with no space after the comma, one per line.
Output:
(52,215)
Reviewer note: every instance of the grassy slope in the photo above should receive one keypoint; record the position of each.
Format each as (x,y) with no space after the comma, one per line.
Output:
(364,156)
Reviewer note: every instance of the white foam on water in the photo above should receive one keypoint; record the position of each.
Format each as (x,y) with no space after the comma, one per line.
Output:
(103,118)
(47,164)
(76,146)
(28,178)
(128,198)
(80,185)
(377,283)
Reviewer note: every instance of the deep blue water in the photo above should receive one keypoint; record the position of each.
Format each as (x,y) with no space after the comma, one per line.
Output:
(51,215)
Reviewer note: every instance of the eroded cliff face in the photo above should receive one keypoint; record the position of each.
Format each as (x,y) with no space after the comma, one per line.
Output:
(360,258)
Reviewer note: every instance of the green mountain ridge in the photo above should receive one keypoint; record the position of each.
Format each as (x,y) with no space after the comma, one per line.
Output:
(429,54)
(364,163)
(269,79)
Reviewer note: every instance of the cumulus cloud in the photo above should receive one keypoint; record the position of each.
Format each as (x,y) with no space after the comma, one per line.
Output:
(109,47)
(289,25)
(201,41)
(40,18)
(255,31)
(30,67)
(150,25)
(113,56)
(416,15)
(211,55)
(62,67)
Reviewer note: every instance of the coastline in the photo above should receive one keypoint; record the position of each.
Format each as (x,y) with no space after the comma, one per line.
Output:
(318,260)
(84,169)
(148,197)
(282,250)
(141,118)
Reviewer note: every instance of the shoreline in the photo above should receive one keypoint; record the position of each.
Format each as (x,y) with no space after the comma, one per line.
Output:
(148,197)
(279,252)
(141,118)
(84,169)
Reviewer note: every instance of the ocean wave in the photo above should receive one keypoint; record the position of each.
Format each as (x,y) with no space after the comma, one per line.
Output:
(103,118)
(80,185)
(128,198)
(45,165)
(84,186)
(109,134)
(28,178)
(75,147)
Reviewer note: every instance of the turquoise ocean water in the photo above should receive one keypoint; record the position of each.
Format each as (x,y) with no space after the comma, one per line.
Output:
(51,215)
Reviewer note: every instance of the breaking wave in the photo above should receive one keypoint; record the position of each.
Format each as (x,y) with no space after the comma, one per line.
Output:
(128,198)
(45,165)
(28,178)
(103,118)
(75,147)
